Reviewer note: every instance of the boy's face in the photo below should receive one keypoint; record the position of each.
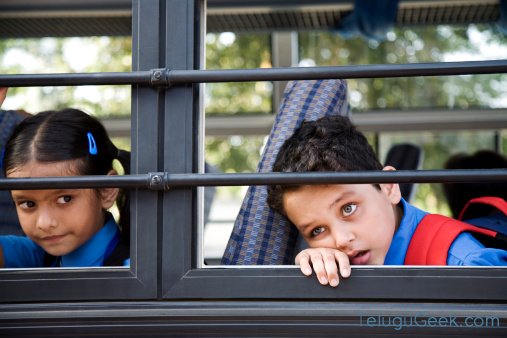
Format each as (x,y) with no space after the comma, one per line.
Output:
(356,219)
(60,220)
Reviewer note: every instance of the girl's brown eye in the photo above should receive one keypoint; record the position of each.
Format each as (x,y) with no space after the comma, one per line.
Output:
(64,199)
(26,204)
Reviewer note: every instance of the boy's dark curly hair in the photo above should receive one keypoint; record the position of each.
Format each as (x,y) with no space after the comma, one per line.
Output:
(330,144)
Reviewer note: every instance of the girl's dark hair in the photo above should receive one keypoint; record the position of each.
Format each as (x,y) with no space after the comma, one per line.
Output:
(68,134)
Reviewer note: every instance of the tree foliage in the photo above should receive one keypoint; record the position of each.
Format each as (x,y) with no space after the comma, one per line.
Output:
(233,51)
(417,45)
(68,55)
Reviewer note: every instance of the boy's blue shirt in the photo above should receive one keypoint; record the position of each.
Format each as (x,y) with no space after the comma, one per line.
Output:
(464,251)
(21,252)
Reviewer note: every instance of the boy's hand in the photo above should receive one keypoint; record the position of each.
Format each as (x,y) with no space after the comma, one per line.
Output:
(325,263)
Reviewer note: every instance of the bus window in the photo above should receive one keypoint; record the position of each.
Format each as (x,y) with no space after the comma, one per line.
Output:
(382,107)
(177,126)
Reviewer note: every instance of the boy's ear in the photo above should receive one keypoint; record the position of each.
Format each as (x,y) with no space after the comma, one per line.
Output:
(108,195)
(392,190)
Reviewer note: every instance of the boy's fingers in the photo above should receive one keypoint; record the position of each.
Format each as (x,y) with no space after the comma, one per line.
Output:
(331,268)
(325,263)
(319,268)
(343,263)
(303,259)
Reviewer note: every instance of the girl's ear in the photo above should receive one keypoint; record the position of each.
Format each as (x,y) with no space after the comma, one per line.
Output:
(392,190)
(108,195)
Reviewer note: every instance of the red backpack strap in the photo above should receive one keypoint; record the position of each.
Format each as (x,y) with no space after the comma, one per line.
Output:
(497,202)
(433,237)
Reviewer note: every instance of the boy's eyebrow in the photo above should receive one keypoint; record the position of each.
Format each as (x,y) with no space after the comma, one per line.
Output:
(339,198)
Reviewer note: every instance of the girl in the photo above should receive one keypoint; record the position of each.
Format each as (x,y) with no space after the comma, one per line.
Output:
(65,227)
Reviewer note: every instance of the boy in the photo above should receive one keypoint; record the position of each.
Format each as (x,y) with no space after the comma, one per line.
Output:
(358,224)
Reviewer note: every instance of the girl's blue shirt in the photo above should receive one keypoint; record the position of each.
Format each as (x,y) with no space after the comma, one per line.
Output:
(464,251)
(22,252)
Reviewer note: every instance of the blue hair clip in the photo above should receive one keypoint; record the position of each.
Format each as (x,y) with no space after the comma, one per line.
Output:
(92,146)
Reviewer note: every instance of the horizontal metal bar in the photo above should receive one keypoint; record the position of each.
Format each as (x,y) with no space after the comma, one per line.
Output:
(337,72)
(400,176)
(76,79)
(164,180)
(70,182)
(165,77)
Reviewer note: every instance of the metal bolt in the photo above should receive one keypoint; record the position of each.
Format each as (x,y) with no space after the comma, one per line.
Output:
(157,74)
(156,180)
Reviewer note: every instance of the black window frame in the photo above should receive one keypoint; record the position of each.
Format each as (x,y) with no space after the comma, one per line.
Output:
(184,278)
(140,280)
(167,136)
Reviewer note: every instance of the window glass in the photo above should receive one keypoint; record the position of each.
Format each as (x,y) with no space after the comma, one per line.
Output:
(420,45)
(229,50)
(233,154)
(65,55)
(436,148)
(415,45)
(230,152)
(375,96)
(111,104)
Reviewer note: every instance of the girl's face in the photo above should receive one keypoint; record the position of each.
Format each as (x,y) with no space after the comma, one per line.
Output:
(356,219)
(60,220)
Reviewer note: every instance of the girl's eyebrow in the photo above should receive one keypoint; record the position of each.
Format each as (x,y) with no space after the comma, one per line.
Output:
(21,194)
(18,196)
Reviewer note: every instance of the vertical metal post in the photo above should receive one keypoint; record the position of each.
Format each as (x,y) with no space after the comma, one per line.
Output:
(182,127)
(147,116)
(284,53)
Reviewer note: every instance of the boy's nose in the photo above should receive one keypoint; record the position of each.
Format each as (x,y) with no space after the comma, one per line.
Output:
(342,239)
(45,221)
